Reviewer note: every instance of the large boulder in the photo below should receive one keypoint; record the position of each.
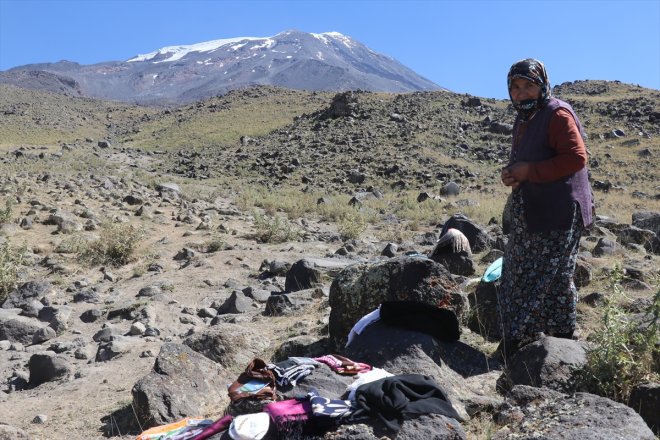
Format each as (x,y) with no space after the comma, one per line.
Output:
(607,247)
(117,346)
(458,368)
(361,288)
(647,220)
(8,432)
(23,296)
(431,427)
(58,317)
(183,383)
(548,362)
(237,302)
(645,399)
(228,344)
(478,237)
(288,303)
(531,412)
(484,317)
(16,328)
(47,366)
(302,275)
(643,237)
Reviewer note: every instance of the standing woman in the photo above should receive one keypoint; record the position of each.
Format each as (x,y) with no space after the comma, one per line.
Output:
(551,204)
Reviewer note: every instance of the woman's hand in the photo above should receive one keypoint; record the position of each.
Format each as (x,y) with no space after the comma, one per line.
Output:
(519,171)
(515,174)
(507,179)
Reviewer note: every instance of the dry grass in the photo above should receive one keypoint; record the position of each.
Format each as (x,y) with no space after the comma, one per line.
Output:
(221,121)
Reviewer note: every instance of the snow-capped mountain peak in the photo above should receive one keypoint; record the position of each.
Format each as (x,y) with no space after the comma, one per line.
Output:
(177,52)
(184,73)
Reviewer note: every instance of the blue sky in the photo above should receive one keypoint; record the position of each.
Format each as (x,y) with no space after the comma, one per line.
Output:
(466,46)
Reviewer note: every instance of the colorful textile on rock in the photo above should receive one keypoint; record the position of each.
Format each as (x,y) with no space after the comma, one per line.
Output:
(325,408)
(537,293)
(343,365)
(183,429)
(290,376)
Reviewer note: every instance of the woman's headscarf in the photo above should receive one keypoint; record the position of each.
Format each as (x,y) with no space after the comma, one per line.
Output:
(534,71)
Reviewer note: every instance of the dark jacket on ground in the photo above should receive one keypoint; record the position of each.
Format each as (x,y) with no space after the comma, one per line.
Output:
(404,397)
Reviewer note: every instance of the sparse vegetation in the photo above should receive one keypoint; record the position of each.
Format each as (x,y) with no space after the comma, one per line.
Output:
(624,351)
(275,229)
(11,259)
(6,212)
(116,245)
(351,226)
(217,242)
(481,427)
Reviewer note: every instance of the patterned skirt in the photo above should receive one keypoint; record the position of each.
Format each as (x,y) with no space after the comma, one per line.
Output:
(537,293)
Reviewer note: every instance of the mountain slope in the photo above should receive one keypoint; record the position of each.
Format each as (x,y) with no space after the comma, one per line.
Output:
(179,74)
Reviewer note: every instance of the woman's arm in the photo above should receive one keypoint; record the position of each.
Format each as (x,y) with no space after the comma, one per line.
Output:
(564,137)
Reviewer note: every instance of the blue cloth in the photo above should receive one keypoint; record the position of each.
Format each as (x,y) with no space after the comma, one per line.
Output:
(494,271)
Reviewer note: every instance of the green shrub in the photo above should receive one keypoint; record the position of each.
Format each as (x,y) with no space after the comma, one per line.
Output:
(116,245)
(274,229)
(5,213)
(10,261)
(216,243)
(293,202)
(624,352)
(351,226)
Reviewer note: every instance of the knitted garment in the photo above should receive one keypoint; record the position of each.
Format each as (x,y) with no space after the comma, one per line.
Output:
(290,376)
(455,240)
(404,397)
(426,318)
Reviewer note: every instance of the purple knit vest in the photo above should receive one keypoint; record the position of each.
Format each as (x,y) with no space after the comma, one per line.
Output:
(549,206)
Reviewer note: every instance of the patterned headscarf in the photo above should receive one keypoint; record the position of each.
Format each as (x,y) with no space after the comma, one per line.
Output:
(534,71)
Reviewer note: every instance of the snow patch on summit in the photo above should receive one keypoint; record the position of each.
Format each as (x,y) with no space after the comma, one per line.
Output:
(326,36)
(177,52)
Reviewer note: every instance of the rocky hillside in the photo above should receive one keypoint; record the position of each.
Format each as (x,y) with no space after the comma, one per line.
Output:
(146,249)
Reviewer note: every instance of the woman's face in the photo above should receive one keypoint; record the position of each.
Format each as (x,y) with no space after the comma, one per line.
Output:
(523,89)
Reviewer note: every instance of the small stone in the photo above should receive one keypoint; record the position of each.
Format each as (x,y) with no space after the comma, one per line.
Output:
(40,419)
(152,331)
(150,291)
(137,328)
(80,354)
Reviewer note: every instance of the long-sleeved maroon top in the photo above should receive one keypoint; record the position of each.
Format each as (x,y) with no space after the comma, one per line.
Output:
(564,137)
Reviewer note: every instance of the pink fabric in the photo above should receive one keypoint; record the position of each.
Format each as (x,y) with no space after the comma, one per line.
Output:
(329,360)
(289,410)
(343,365)
(217,426)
